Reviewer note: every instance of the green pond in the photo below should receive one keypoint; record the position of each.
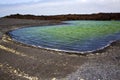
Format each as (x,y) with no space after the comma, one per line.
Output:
(74,36)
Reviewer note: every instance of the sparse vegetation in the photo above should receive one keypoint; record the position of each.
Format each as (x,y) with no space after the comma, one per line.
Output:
(99,16)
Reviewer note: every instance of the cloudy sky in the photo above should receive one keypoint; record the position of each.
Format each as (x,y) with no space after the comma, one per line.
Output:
(56,7)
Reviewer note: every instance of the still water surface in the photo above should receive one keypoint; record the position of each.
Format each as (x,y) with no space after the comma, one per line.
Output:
(78,36)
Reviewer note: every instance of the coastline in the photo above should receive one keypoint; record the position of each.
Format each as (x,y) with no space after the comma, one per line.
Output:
(100,50)
(47,64)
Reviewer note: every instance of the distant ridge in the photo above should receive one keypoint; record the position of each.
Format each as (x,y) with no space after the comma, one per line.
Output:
(98,16)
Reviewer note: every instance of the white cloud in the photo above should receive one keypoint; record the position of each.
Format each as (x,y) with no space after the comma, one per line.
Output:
(17,1)
(62,7)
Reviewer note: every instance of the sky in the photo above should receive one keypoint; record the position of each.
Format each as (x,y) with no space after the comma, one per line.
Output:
(57,7)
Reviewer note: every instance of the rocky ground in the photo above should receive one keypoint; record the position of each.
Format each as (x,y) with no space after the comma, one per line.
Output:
(21,62)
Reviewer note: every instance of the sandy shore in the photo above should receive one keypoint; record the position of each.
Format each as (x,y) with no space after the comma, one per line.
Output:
(20,62)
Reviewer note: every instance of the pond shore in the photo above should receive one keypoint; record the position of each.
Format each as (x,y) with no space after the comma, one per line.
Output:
(22,62)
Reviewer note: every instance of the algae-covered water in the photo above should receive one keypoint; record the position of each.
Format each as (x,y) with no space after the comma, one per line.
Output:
(78,36)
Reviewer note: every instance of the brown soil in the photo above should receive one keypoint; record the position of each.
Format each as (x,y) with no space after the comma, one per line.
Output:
(21,62)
